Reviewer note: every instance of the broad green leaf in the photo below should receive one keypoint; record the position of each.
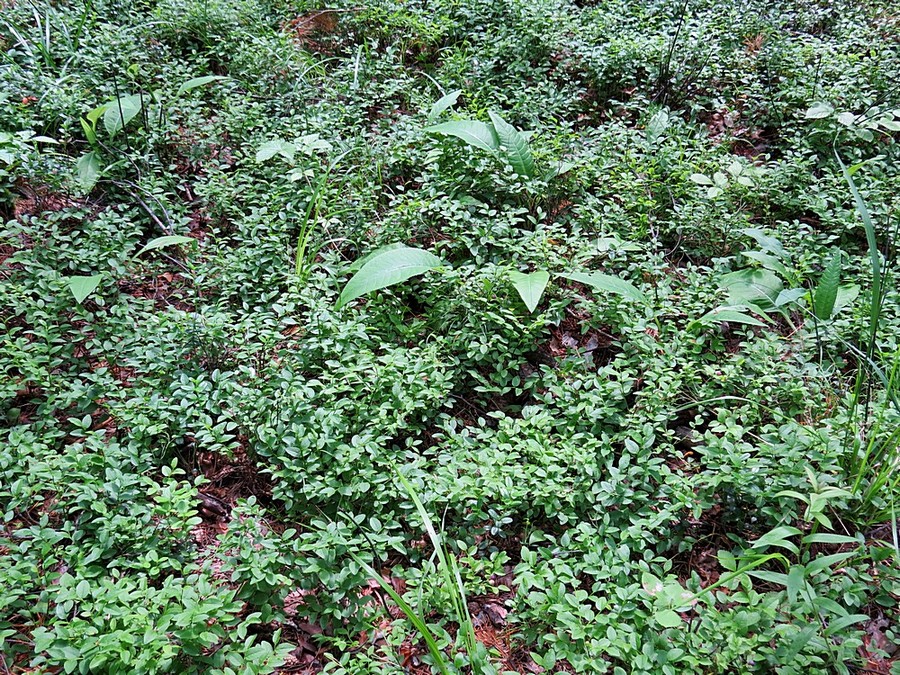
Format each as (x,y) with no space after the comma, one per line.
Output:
(845,296)
(830,539)
(476,134)
(559,169)
(826,561)
(825,296)
(657,126)
(837,626)
(530,286)
(83,286)
(610,284)
(88,170)
(779,536)
(392,266)
(789,295)
(442,104)
(120,112)
(819,110)
(770,262)
(701,179)
(667,618)
(827,604)
(759,287)
(517,151)
(767,243)
(729,315)
(359,262)
(274,147)
(195,82)
(162,242)
(795,581)
(786,653)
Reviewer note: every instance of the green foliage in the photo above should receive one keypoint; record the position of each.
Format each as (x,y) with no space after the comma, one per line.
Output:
(386,267)
(611,285)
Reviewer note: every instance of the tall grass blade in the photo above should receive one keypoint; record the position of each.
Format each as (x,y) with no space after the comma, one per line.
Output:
(874,254)
(410,613)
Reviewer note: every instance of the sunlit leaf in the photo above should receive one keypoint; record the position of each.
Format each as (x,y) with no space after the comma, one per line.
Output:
(119,112)
(530,286)
(83,286)
(442,104)
(162,242)
(819,110)
(477,134)
(608,283)
(391,266)
(274,147)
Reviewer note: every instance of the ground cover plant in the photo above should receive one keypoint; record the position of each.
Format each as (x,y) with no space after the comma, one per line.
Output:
(449,336)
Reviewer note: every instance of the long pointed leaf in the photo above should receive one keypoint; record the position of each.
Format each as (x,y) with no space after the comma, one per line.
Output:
(517,151)
(476,134)
(83,286)
(414,618)
(195,82)
(729,315)
(392,266)
(162,242)
(874,254)
(610,284)
(442,104)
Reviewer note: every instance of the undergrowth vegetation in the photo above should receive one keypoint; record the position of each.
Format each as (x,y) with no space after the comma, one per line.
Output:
(449,336)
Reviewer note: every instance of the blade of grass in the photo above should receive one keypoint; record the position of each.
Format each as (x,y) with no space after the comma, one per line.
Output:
(414,618)
(450,572)
(874,254)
